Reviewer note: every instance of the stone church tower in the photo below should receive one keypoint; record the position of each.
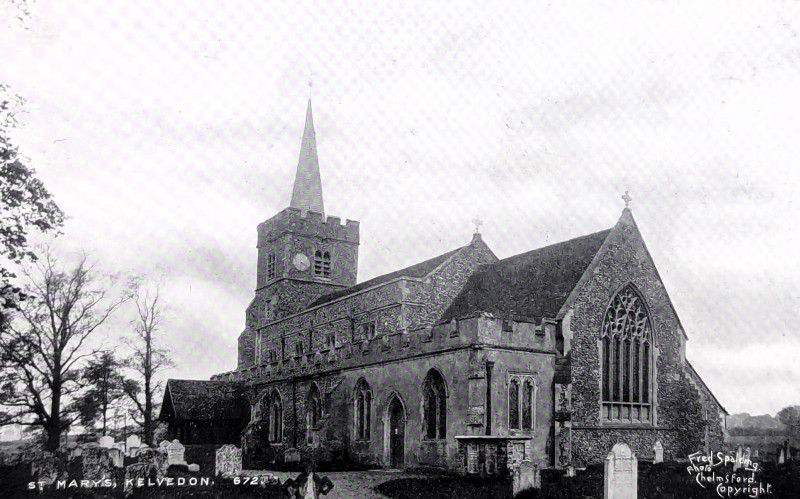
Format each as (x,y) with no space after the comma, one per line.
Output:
(302,254)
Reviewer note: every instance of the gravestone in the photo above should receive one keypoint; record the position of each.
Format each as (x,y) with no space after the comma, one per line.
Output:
(292,456)
(133,472)
(228,460)
(43,467)
(526,476)
(132,442)
(117,457)
(620,477)
(194,468)
(755,454)
(164,445)
(747,456)
(739,458)
(106,442)
(781,457)
(175,452)
(155,458)
(97,464)
(658,452)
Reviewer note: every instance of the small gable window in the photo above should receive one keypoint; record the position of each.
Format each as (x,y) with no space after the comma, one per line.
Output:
(322,264)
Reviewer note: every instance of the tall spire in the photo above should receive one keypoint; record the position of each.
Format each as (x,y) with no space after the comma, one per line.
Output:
(307,192)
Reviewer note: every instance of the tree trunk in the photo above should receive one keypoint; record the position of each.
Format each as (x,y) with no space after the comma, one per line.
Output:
(53,427)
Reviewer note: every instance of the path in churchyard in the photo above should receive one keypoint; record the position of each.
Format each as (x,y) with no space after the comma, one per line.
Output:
(350,484)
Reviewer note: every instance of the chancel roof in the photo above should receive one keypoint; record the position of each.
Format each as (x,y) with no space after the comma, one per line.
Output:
(418,271)
(202,400)
(528,286)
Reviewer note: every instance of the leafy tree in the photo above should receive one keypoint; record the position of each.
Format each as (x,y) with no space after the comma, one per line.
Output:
(45,346)
(24,204)
(790,416)
(103,376)
(148,358)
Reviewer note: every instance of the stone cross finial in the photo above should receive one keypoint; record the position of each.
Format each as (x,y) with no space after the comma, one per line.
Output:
(627,198)
(477,222)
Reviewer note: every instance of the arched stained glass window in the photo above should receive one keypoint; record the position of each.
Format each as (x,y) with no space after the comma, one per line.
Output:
(626,359)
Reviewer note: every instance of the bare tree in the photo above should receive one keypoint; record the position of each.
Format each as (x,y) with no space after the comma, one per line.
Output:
(45,344)
(148,358)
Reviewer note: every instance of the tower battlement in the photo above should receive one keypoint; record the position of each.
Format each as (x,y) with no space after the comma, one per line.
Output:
(308,223)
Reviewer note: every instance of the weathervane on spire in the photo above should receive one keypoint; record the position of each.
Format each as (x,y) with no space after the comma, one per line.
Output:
(477,222)
(627,198)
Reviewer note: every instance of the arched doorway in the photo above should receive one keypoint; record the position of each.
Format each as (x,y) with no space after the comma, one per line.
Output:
(397,432)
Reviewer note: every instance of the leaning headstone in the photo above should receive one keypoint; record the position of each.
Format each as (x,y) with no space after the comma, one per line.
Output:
(526,476)
(658,452)
(620,477)
(106,442)
(132,442)
(228,460)
(175,452)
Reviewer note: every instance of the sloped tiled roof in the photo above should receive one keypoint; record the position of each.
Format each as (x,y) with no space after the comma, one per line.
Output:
(202,400)
(530,285)
(418,271)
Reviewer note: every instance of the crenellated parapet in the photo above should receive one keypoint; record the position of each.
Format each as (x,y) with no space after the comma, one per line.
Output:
(481,330)
(296,221)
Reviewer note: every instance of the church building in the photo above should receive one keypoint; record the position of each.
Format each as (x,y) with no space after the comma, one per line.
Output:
(464,362)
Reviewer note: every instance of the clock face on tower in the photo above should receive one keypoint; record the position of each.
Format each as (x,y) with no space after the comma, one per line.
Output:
(301,262)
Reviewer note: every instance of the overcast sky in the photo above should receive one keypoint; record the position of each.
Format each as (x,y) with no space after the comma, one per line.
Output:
(168,130)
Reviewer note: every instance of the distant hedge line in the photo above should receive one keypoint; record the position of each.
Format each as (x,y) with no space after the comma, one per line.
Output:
(760,432)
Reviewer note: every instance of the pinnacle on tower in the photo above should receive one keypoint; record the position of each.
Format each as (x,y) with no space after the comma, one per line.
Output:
(307,192)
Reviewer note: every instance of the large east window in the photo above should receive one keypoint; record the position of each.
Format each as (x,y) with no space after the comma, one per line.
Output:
(627,360)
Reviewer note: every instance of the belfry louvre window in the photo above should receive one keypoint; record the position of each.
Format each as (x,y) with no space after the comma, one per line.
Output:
(627,362)
(363,410)
(271,266)
(522,393)
(322,264)
(435,406)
